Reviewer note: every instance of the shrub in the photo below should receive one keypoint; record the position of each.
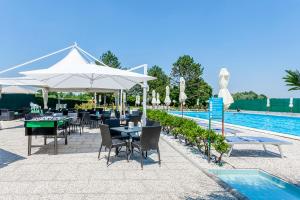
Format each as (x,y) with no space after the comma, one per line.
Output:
(190,130)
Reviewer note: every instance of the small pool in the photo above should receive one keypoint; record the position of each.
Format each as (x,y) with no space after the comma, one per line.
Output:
(258,185)
(280,124)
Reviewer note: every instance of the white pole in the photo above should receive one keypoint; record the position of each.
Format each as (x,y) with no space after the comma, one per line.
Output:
(144,117)
(121,103)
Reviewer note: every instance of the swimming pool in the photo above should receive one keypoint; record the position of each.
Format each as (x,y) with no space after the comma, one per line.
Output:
(280,124)
(258,185)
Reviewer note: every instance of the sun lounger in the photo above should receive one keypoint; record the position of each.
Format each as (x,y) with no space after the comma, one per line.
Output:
(233,140)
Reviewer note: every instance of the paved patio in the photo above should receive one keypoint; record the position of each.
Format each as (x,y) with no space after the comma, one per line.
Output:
(76,173)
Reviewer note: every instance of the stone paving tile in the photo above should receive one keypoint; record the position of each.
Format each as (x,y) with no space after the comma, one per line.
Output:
(76,173)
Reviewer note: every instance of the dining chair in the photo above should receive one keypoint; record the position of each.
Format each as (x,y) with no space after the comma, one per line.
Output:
(148,141)
(108,142)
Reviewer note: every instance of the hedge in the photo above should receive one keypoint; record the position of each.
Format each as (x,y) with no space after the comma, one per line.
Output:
(191,131)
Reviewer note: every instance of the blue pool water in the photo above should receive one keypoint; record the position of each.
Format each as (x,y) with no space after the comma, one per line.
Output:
(258,185)
(279,124)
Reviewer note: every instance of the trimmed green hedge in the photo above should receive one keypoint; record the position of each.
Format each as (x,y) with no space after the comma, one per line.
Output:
(191,131)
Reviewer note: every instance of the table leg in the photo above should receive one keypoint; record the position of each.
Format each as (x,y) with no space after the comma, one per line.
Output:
(45,140)
(29,145)
(55,144)
(66,139)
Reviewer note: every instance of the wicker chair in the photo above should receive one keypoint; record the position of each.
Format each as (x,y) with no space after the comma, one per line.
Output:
(110,143)
(149,141)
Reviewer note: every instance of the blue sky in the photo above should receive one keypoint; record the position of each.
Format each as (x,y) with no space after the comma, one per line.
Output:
(256,40)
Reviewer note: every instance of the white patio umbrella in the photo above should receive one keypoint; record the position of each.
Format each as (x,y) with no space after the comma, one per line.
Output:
(17,90)
(153,98)
(268,103)
(157,99)
(197,103)
(182,95)
(291,105)
(223,84)
(137,100)
(74,72)
(167,98)
(45,97)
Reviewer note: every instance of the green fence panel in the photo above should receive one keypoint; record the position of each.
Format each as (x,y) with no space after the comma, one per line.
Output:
(22,101)
(276,105)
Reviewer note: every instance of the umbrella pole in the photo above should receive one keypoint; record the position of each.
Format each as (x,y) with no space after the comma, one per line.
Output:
(181,109)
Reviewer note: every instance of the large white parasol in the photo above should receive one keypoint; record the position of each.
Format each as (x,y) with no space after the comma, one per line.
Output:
(153,98)
(14,89)
(167,99)
(74,73)
(268,103)
(157,99)
(182,95)
(291,104)
(224,92)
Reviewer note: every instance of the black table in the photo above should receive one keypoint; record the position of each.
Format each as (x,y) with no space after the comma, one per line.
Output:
(131,132)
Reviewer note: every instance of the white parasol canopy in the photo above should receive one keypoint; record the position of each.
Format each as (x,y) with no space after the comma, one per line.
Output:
(291,105)
(157,99)
(16,90)
(167,99)
(182,95)
(224,92)
(153,98)
(74,73)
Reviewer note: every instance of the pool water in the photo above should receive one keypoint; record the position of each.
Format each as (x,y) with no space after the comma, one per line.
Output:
(280,124)
(258,185)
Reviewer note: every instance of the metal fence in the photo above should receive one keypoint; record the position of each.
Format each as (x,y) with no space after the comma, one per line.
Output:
(276,105)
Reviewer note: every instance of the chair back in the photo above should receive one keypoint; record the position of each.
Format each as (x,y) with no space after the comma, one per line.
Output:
(105,135)
(152,123)
(134,119)
(112,122)
(150,137)
(86,118)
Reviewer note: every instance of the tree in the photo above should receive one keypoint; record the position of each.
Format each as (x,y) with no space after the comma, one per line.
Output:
(160,83)
(110,59)
(192,72)
(292,79)
(248,95)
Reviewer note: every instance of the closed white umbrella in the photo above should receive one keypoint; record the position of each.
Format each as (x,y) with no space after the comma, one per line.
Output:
(223,84)
(45,97)
(153,98)
(198,102)
(291,105)
(137,100)
(182,95)
(167,99)
(268,102)
(157,99)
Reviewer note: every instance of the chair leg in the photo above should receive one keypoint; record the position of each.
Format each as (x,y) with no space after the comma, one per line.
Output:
(99,151)
(142,159)
(158,152)
(127,153)
(108,156)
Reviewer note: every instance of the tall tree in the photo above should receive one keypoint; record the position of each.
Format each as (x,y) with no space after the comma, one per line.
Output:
(192,72)
(160,83)
(292,79)
(110,59)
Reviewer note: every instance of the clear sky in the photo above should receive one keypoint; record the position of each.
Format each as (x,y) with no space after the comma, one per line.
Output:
(256,40)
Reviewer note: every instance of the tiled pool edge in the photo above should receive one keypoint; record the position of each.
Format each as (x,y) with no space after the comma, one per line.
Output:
(243,127)
(224,185)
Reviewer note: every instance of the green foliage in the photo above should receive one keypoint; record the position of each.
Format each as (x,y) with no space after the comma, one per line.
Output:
(190,130)
(292,79)
(159,85)
(248,95)
(192,72)
(110,59)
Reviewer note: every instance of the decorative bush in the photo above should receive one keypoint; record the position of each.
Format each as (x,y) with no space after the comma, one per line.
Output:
(190,130)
